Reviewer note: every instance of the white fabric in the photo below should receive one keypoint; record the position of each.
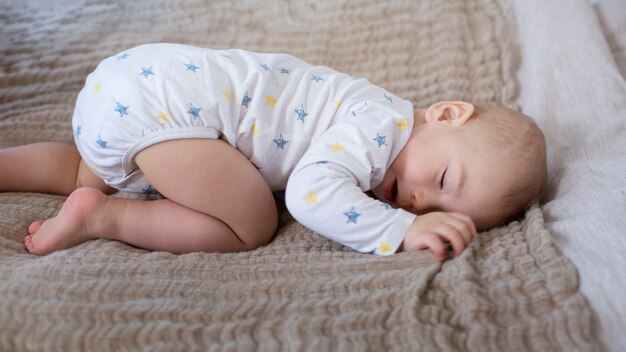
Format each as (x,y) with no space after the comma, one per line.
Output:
(279,111)
(572,87)
(612,17)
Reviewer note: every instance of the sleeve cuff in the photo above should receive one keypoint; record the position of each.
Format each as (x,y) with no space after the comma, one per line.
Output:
(392,240)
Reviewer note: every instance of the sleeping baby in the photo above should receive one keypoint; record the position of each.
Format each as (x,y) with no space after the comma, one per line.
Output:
(216,132)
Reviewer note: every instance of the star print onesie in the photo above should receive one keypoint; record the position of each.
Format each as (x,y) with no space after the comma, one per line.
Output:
(322,136)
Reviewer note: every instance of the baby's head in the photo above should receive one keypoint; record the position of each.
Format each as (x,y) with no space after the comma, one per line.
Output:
(482,160)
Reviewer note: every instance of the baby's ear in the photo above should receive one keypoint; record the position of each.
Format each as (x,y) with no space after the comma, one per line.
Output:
(456,113)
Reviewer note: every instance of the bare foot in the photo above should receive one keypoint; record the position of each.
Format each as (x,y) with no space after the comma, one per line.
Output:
(73,225)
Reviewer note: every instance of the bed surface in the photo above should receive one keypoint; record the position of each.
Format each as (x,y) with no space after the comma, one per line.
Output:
(571,84)
(514,288)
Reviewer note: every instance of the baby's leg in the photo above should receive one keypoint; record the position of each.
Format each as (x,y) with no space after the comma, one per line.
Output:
(217,201)
(161,225)
(48,167)
(213,178)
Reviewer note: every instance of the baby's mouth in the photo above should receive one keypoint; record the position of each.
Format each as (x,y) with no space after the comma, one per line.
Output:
(392,192)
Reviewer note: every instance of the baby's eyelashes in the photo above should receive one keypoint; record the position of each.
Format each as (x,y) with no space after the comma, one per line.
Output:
(443,178)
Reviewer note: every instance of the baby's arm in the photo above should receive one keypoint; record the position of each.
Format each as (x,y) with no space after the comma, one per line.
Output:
(435,230)
(325,192)
(326,197)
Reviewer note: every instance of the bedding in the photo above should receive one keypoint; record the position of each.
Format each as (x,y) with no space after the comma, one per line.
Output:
(611,16)
(571,84)
(511,289)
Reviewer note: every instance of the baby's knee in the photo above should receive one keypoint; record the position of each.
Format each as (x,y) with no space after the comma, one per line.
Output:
(260,232)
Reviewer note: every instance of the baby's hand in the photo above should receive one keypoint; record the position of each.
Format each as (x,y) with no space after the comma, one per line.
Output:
(434,230)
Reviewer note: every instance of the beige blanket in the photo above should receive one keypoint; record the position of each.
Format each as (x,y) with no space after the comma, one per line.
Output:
(510,289)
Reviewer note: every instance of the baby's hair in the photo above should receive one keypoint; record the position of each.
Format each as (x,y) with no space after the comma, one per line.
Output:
(515,135)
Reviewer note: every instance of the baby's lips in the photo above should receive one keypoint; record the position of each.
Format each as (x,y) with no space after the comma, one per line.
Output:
(391,191)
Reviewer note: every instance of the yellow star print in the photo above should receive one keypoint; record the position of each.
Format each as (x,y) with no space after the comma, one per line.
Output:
(270,100)
(162,117)
(384,247)
(338,103)
(337,147)
(93,167)
(255,129)
(403,124)
(311,198)
(227,94)
(97,87)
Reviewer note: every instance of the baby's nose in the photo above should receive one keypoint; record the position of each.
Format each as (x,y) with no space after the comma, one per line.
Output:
(417,200)
(421,202)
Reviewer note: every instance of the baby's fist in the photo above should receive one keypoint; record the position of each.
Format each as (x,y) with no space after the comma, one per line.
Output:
(434,230)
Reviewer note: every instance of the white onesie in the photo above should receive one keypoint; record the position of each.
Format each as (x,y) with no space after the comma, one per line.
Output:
(322,136)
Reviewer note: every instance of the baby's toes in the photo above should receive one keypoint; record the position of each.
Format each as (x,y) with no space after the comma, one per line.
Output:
(28,243)
(34,227)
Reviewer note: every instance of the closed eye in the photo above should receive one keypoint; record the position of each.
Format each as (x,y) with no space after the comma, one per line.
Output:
(443,177)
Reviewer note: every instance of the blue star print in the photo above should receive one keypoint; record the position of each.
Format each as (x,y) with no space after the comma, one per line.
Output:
(280,142)
(285,71)
(352,216)
(317,79)
(227,56)
(149,190)
(123,110)
(265,67)
(388,97)
(194,111)
(101,143)
(301,113)
(122,57)
(246,100)
(78,130)
(146,71)
(192,67)
(322,162)
(381,140)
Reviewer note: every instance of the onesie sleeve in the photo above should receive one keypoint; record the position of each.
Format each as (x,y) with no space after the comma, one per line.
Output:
(326,191)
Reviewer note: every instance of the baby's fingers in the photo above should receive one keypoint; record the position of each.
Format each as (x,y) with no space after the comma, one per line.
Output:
(433,242)
(464,224)
(450,233)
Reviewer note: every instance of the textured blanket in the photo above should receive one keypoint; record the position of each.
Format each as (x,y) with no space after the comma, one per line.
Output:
(509,290)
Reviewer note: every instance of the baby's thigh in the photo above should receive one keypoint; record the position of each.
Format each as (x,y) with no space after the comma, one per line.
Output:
(212,177)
